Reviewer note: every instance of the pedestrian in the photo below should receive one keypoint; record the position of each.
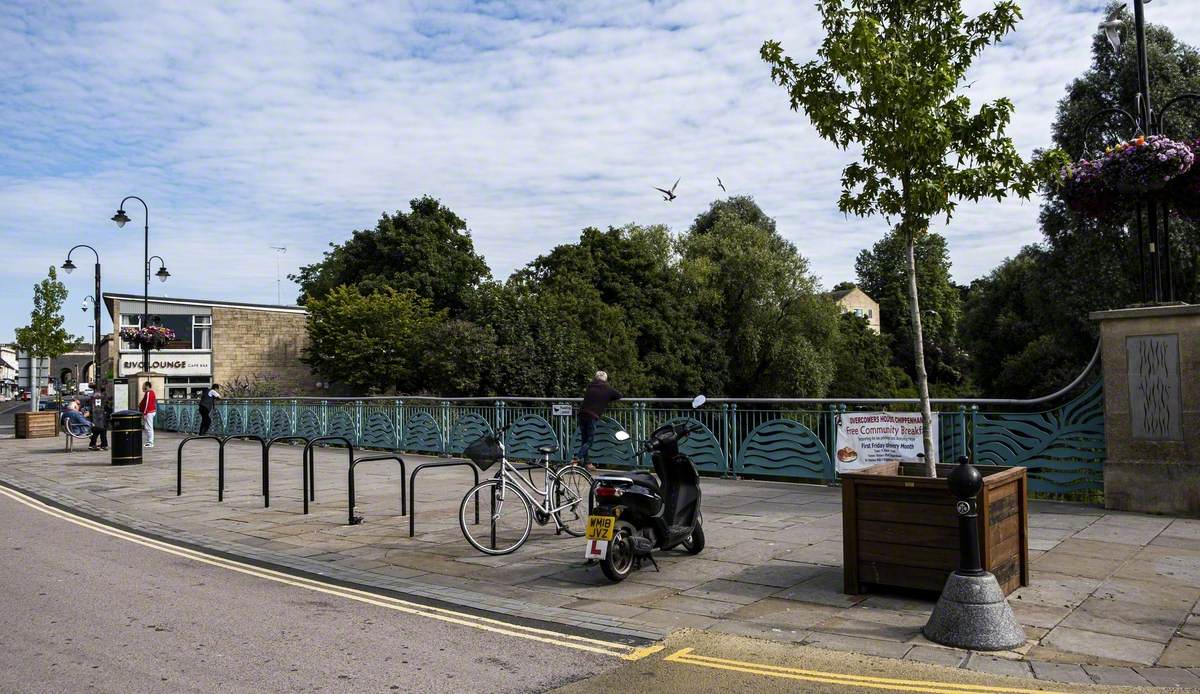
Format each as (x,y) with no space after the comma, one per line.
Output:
(100,412)
(595,400)
(148,407)
(207,402)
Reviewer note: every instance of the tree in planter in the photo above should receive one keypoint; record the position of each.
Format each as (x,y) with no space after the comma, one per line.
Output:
(45,337)
(885,80)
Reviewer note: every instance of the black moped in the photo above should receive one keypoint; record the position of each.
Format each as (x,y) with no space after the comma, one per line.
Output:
(634,513)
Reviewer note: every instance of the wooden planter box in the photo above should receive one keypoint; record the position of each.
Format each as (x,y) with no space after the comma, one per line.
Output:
(36,425)
(900,528)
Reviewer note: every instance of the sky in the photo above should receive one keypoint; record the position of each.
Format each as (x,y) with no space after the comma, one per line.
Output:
(252,125)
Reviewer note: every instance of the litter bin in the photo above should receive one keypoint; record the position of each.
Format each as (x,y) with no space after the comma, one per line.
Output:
(126,432)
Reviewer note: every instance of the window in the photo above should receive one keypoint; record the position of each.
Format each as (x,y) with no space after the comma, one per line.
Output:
(201,332)
(859,312)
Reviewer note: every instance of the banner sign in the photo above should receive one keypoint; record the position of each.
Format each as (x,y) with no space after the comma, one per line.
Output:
(870,438)
(168,363)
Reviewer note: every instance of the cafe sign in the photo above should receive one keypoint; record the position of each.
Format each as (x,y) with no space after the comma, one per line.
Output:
(171,364)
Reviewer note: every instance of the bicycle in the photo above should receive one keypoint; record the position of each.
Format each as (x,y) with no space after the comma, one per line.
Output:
(510,499)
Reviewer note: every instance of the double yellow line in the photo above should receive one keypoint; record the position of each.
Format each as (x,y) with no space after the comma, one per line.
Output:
(495,626)
(687,657)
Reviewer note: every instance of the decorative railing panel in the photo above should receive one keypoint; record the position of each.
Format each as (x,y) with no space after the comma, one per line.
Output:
(783,448)
(605,450)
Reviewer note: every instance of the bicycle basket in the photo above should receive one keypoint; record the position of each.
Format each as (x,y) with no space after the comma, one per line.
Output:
(484,452)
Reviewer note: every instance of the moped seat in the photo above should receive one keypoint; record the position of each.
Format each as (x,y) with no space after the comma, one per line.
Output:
(646,479)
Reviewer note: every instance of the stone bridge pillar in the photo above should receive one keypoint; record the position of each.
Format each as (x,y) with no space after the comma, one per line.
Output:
(1151,358)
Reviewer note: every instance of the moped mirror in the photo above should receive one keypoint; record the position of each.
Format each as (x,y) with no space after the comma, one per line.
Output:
(621,436)
(698,402)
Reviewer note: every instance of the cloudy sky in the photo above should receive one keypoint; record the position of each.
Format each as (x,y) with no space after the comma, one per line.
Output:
(247,125)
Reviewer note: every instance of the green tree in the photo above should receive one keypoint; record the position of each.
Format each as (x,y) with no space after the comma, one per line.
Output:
(886,80)
(883,275)
(776,330)
(457,358)
(369,341)
(427,250)
(634,268)
(863,363)
(1026,324)
(45,337)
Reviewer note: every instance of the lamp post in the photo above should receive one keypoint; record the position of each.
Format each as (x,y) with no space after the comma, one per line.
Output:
(121,219)
(69,267)
(1157,243)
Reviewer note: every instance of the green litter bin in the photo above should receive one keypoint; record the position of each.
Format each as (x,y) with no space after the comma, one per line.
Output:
(126,432)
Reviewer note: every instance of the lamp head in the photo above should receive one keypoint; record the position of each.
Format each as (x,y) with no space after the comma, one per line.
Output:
(120,218)
(162,274)
(68,267)
(1112,32)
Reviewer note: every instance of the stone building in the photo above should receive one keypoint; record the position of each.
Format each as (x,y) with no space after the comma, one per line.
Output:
(235,344)
(856,301)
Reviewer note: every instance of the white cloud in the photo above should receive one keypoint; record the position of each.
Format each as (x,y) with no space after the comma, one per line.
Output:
(268,123)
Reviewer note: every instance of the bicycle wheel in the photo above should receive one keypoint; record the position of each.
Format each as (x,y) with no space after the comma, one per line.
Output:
(572,485)
(504,525)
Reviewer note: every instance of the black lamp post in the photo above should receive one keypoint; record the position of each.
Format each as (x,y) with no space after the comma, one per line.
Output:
(1154,252)
(68,267)
(121,219)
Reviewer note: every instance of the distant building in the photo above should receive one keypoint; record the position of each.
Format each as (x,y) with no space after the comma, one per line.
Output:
(74,367)
(215,341)
(8,371)
(856,301)
(32,372)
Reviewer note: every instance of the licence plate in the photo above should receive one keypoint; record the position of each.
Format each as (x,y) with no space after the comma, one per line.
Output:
(601,527)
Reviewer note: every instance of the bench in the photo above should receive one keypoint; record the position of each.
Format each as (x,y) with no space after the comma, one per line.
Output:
(75,431)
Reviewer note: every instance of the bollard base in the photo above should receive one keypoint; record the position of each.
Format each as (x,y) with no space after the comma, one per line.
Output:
(972,613)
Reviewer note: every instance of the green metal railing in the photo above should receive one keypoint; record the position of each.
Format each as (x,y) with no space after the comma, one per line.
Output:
(1063,447)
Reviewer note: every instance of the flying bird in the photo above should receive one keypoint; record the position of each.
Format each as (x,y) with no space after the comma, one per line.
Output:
(668,195)
(721,185)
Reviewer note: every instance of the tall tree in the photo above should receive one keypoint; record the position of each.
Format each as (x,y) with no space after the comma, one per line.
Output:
(863,363)
(427,250)
(776,329)
(1026,323)
(45,337)
(886,79)
(882,274)
(634,268)
(369,341)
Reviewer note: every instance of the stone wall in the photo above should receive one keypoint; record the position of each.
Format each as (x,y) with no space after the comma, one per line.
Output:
(1151,360)
(261,346)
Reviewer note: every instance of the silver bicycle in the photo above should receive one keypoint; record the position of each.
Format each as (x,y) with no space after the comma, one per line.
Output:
(514,502)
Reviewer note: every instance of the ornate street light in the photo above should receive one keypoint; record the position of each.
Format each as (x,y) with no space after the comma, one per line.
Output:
(68,267)
(122,219)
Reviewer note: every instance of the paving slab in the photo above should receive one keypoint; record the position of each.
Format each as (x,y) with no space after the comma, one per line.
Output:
(1169,677)
(1104,646)
(994,665)
(1116,676)
(1060,672)
(947,657)
(1181,652)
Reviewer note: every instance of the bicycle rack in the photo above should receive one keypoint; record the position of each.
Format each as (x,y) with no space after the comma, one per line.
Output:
(304,463)
(412,488)
(265,458)
(310,476)
(220,465)
(356,520)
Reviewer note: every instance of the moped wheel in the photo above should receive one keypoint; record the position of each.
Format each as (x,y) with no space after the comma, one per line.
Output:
(694,544)
(571,486)
(505,518)
(618,564)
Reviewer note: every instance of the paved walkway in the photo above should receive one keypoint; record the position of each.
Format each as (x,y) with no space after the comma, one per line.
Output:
(1113,597)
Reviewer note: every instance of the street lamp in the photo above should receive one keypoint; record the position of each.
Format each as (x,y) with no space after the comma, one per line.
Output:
(69,267)
(122,219)
(1158,244)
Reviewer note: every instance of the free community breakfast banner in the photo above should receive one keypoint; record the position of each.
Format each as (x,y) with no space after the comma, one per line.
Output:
(870,438)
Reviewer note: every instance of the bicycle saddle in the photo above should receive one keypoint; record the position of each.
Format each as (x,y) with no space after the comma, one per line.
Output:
(547,450)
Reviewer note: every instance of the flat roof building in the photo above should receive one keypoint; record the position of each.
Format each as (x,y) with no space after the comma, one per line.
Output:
(249,347)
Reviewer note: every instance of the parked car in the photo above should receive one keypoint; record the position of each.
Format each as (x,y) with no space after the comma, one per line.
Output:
(49,406)
(25,396)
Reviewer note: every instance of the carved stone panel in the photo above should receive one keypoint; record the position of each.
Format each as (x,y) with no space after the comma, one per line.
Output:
(1155,405)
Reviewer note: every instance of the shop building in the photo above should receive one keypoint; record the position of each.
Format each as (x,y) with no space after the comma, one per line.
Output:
(255,346)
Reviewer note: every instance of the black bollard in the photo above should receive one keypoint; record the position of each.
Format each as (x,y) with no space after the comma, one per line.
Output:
(971,611)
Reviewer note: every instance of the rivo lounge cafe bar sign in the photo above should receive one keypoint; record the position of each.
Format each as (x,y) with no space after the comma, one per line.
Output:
(870,438)
(170,364)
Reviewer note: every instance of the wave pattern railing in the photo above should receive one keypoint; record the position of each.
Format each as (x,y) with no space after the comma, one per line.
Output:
(1063,447)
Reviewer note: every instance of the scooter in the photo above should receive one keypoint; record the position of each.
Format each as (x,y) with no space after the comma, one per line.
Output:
(632,514)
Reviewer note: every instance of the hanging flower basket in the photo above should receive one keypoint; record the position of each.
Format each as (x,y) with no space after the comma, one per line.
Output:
(152,337)
(1087,190)
(1184,192)
(1148,163)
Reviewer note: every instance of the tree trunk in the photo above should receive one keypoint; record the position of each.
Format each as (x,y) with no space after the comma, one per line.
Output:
(914,307)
